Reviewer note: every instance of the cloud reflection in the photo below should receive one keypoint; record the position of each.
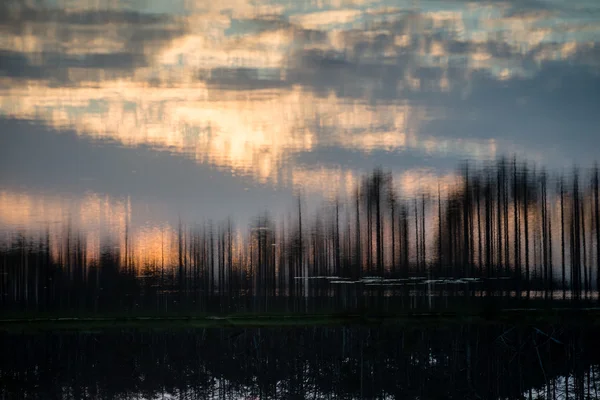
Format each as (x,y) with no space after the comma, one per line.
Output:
(257,89)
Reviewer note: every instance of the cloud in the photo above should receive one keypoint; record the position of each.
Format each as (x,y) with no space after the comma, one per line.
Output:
(403,54)
(247,88)
(324,19)
(55,44)
(36,158)
(17,65)
(61,68)
(522,88)
(187,110)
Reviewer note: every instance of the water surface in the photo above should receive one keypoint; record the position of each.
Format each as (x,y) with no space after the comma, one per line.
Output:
(117,115)
(462,362)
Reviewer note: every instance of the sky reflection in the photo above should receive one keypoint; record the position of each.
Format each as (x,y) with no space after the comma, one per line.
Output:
(200,109)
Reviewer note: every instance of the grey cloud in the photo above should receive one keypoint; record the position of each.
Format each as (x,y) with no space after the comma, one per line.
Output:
(550,109)
(36,158)
(134,38)
(519,6)
(240,79)
(17,65)
(589,55)
(399,159)
(53,66)
(16,13)
(139,35)
(268,23)
(372,66)
(119,60)
(263,23)
(102,17)
(551,115)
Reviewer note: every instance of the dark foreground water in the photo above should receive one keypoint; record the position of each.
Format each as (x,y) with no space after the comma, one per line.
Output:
(453,361)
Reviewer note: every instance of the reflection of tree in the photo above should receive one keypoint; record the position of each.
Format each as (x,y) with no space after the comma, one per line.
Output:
(497,225)
(264,252)
(453,362)
(375,187)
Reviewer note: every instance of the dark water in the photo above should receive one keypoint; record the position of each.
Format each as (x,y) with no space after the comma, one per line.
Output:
(450,362)
(271,156)
(165,155)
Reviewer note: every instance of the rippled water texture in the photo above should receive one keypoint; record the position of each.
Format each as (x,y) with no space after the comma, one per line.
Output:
(131,115)
(468,362)
(167,164)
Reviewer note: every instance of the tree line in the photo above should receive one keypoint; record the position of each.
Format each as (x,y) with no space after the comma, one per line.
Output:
(507,227)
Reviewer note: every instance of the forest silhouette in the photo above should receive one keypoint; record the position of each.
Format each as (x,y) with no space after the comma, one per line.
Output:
(506,233)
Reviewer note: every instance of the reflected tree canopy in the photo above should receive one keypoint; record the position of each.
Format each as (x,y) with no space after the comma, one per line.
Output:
(507,233)
(462,362)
